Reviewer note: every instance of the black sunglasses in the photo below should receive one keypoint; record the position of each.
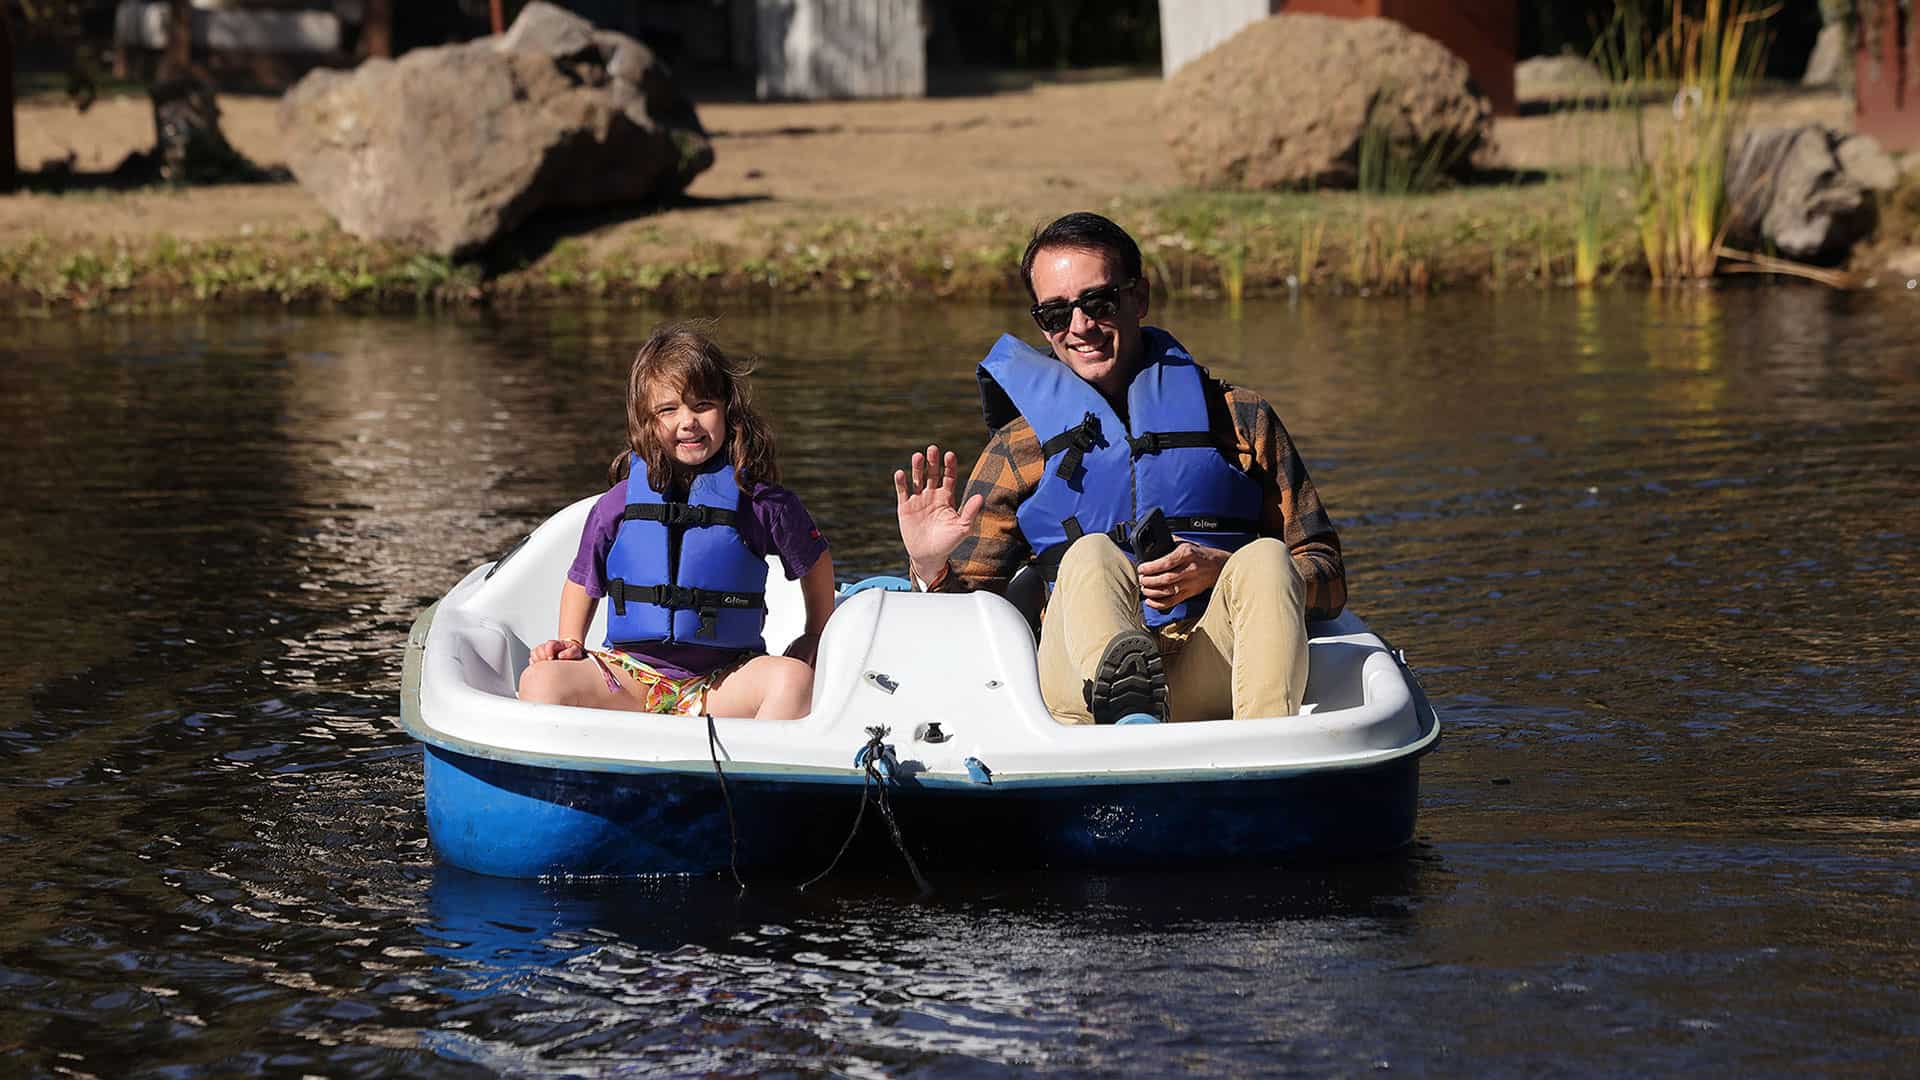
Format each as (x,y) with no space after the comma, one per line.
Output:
(1099,304)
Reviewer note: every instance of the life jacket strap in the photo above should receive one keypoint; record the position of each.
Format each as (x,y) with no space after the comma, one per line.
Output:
(1048,561)
(1155,441)
(707,602)
(675,513)
(1076,441)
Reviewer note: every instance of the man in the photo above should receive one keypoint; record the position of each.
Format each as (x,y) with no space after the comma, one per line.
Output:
(1087,443)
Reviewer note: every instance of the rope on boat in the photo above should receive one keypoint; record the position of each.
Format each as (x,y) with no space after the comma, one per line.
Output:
(733,830)
(876,759)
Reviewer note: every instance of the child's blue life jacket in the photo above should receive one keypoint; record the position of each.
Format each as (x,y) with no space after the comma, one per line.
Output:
(679,572)
(1104,474)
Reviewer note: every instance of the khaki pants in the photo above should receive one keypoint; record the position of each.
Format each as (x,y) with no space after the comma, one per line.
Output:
(1245,656)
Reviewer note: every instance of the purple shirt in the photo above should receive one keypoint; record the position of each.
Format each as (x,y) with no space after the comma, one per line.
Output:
(778,523)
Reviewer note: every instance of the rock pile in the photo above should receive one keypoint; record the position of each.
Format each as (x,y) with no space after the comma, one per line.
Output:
(1807,193)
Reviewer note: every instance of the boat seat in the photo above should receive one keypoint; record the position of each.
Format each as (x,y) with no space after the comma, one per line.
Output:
(1027,592)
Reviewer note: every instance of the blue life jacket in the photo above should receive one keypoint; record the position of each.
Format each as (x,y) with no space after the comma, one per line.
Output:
(1104,474)
(679,571)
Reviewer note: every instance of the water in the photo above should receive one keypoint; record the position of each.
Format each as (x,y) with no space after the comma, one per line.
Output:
(1655,556)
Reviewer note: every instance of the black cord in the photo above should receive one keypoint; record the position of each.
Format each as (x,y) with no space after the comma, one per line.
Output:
(872,780)
(733,831)
(865,783)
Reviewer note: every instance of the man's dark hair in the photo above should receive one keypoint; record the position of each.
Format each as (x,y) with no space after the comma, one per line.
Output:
(1087,232)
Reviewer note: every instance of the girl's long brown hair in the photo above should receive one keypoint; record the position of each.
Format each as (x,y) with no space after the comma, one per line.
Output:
(683,358)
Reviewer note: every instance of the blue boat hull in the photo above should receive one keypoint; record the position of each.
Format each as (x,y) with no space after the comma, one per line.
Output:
(513,819)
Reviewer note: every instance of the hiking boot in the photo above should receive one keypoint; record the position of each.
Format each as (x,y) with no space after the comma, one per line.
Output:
(1130,679)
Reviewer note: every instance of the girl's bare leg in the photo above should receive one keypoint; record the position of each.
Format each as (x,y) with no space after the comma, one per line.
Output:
(578,682)
(765,688)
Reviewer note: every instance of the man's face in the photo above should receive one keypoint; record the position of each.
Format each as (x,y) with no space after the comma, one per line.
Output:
(1104,352)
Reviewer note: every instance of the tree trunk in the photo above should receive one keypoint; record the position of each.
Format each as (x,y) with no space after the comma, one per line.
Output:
(178,59)
(378,30)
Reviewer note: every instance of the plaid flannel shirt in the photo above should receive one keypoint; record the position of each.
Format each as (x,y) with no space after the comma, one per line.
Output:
(1246,430)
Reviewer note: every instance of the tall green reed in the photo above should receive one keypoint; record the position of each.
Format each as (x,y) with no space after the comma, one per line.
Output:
(1710,52)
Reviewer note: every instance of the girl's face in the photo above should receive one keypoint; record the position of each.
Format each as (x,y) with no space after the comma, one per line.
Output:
(690,425)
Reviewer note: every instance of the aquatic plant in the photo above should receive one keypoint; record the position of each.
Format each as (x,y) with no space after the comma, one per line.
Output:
(1312,232)
(1387,162)
(1711,50)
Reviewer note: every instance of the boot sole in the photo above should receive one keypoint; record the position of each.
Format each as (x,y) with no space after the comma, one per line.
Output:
(1130,679)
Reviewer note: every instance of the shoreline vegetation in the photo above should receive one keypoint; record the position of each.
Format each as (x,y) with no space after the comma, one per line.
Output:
(1559,209)
(1201,245)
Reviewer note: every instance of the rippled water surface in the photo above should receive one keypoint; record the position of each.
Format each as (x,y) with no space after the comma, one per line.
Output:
(1655,556)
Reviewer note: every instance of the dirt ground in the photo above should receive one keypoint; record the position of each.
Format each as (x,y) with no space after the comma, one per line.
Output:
(1030,152)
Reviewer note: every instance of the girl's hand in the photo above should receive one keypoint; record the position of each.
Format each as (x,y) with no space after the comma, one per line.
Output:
(1181,574)
(930,527)
(804,648)
(559,649)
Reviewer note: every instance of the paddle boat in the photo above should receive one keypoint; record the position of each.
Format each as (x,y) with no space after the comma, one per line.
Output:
(926,722)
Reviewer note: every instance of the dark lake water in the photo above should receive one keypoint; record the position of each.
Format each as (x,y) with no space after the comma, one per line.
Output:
(1654,554)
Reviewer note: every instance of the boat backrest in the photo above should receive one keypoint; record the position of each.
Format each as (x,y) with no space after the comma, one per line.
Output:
(1027,592)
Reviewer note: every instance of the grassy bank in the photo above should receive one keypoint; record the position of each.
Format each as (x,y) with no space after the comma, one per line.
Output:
(1478,237)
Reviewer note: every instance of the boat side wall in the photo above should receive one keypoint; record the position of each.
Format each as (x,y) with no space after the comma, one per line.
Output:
(513,820)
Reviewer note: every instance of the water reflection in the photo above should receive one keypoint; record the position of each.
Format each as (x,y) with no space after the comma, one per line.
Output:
(557,974)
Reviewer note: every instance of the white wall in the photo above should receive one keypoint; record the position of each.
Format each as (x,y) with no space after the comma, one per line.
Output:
(1191,27)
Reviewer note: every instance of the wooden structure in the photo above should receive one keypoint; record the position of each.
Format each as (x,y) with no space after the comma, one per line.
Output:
(839,48)
(272,44)
(1481,32)
(1886,77)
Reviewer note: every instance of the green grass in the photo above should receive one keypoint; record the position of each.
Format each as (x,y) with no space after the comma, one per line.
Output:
(1195,244)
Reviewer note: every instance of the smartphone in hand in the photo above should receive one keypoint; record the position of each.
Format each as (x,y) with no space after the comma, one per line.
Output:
(1151,538)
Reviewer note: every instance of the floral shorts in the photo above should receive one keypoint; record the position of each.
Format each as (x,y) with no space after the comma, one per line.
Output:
(662,693)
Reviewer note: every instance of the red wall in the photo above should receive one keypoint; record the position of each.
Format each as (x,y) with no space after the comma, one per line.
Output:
(1481,32)
(1885,88)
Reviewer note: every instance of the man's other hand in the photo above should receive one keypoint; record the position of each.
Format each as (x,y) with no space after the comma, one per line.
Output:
(1182,574)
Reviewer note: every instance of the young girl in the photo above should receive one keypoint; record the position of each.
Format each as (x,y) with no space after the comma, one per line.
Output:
(678,545)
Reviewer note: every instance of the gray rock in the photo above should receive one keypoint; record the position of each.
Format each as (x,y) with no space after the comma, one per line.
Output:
(449,148)
(1290,100)
(1867,164)
(1831,64)
(1788,193)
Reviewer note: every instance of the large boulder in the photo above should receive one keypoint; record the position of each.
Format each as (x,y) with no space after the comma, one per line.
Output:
(1289,101)
(448,148)
(1807,193)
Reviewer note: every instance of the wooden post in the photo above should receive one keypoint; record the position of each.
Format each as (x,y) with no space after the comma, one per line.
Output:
(378,31)
(9,162)
(497,10)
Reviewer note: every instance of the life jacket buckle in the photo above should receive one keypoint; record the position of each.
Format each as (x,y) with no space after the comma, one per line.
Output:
(1077,440)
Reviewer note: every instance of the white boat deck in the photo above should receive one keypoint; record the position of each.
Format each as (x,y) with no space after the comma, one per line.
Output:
(893,659)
